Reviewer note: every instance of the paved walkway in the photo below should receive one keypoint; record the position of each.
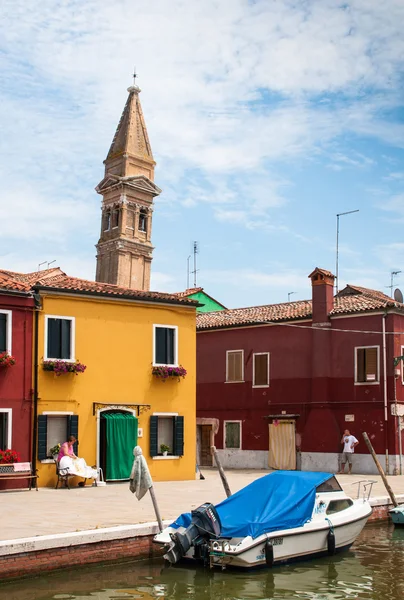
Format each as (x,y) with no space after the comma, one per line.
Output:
(48,511)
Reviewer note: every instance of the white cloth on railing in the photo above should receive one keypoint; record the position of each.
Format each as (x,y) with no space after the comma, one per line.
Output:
(77,466)
(140,478)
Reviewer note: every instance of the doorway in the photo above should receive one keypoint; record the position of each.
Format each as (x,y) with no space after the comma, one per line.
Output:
(204,442)
(282,445)
(118,437)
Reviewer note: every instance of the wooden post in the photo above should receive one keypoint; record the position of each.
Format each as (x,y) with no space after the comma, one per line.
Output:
(380,469)
(221,472)
(156,508)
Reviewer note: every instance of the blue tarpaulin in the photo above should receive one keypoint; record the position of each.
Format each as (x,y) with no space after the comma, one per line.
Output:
(279,500)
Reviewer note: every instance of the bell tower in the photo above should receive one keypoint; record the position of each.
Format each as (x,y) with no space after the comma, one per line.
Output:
(124,250)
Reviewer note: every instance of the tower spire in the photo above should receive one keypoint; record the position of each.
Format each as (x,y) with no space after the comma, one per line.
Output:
(124,250)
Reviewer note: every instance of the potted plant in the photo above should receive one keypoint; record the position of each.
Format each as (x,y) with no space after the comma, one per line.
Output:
(6,360)
(165,372)
(59,367)
(164,449)
(54,451)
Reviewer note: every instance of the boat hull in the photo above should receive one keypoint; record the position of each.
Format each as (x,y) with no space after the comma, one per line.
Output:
(289,548)
(397,516)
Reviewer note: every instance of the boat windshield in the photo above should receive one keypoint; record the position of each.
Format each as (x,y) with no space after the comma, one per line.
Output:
(331,485)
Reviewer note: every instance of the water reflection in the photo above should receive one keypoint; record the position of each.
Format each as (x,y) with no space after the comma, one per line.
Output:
(372,570)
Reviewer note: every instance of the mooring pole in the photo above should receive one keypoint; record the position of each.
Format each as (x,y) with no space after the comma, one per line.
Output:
(221,472)
(156,508)
(379,468)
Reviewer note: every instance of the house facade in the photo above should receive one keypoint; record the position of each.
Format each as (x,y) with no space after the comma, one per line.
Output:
(116,403)
(16,318)
(206,302)
(278,385)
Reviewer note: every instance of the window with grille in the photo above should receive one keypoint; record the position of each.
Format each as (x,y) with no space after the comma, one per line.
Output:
(234,366)
(261,369)
(143,220)
(232,434)
(165,345)
(367,365)
(59,343)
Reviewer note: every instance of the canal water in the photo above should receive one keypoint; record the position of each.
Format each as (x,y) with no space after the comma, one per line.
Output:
(372,570)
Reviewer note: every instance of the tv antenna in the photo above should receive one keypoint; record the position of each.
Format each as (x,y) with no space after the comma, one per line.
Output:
(195,251)
(393,274)
(188,259)
(289,295)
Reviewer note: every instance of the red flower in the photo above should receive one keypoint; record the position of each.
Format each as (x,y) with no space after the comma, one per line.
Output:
(6,360)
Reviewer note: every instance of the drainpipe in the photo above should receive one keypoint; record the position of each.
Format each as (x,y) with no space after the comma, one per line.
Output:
(384,317)
(398,424)
(35,417)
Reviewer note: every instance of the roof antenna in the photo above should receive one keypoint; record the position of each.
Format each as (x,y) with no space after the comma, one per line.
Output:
(42,263)
(134,76)
(196,251)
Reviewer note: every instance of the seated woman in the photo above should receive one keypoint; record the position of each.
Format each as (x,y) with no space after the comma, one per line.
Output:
(75,466)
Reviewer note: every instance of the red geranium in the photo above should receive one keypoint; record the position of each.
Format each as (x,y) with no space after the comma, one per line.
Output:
(9,456)
(6,360)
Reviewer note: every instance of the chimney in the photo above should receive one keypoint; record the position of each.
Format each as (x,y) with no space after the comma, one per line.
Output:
(322,283)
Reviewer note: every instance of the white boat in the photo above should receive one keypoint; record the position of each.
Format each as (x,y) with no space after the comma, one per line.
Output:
(282,517)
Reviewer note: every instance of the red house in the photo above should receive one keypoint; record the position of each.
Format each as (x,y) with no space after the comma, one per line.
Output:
(277,385)
(16,318)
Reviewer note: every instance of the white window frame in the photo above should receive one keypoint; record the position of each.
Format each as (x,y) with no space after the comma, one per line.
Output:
(241,434)
(72,338)
(356,382)
(175,327)
(242,366)
(9,411)
(165,415)
(55,413)
(267,354)
(9,329)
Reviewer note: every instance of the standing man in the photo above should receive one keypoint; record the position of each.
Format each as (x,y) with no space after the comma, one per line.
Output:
(349,442)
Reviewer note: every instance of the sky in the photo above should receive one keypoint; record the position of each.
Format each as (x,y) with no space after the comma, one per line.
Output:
(266,119)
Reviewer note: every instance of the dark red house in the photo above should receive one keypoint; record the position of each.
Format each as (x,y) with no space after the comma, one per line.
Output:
(277,385)
(16,319)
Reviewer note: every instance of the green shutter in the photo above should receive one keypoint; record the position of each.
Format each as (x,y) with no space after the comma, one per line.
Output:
(42,437)
(154,436)
(73,429)
(178,436)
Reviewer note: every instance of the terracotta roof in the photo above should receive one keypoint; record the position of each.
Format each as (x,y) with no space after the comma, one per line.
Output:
(323,271)
(350,300)
(251,315)
(73,284)
(188,292)
(56,279)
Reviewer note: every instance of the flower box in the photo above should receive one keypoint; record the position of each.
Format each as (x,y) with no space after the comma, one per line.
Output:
(166,372)
(59,367)
(6,360)
(8,457)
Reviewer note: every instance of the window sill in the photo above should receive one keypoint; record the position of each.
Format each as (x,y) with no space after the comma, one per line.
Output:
(166,365)
(165,457)
(261,386)
(241,381)
(68,360)
(47,461)
(367,383)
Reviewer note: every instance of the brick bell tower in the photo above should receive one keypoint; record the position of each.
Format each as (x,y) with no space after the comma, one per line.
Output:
(124,250)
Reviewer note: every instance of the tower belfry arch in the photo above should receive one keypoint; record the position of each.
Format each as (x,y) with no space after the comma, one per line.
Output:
(124,250)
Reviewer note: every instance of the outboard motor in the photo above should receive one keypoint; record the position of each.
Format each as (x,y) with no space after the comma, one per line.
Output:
(205,524)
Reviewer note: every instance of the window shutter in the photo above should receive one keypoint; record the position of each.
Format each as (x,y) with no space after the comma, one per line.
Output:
(54,338)
(153,436)
(178,436)
(360,365)
(234,366)
(73,429)
(65,342)
(371,364)
(3,332)
(261,369)
(42,437)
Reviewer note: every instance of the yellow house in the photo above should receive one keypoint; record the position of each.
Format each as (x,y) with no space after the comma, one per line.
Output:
(119,334)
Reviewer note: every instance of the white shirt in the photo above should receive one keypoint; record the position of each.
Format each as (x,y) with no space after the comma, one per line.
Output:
(349,441)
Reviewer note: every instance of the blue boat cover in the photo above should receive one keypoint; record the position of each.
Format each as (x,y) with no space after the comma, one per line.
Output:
(279,500)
